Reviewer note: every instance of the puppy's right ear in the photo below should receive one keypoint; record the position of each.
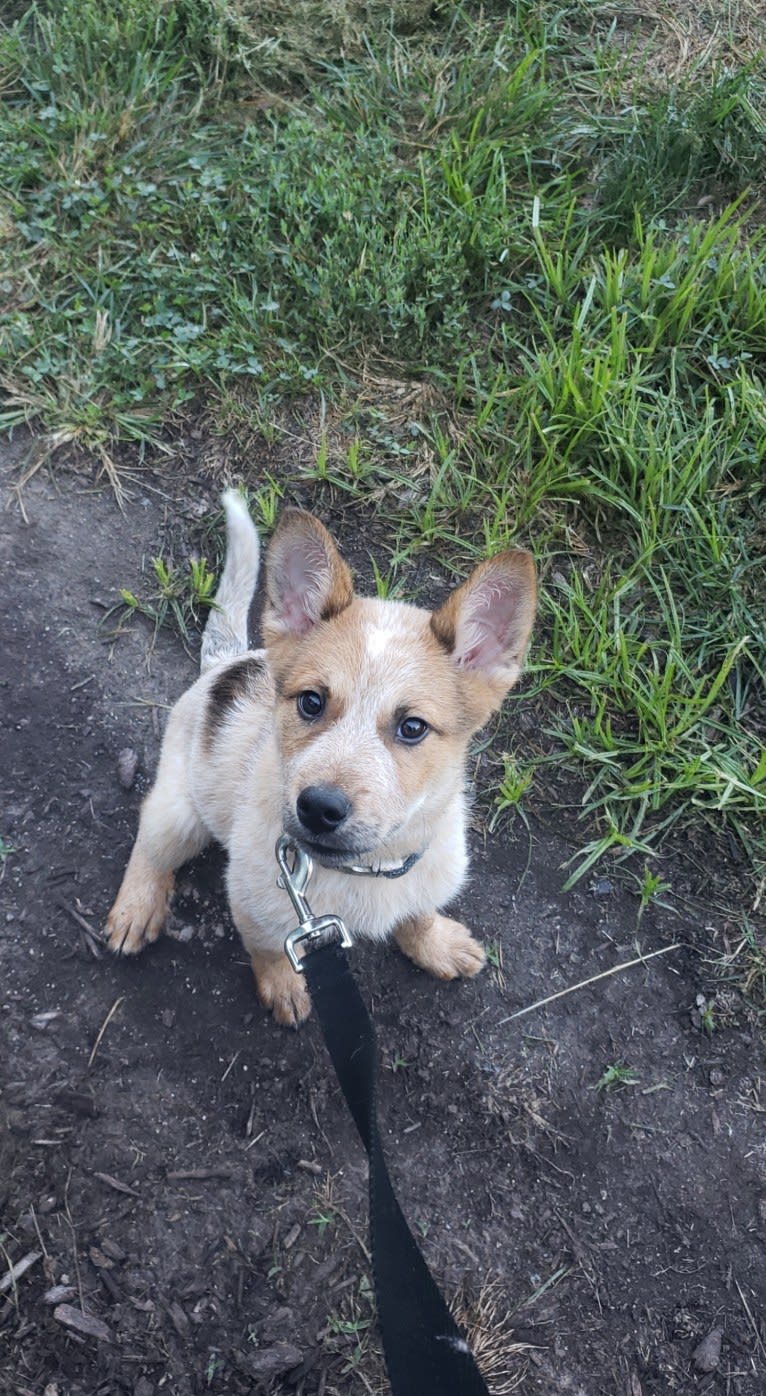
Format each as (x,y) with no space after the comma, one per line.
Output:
(307,581)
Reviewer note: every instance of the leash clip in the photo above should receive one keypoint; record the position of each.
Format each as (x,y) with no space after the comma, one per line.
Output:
(313,931)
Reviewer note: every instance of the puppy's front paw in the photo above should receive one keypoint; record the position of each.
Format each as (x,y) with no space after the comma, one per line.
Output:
(280,988)
(460,955)
(139,912)
(443,947)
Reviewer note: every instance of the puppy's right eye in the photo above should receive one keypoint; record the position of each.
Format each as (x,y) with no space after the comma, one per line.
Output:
(310,704)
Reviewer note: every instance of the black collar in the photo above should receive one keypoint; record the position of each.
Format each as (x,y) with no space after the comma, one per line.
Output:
(356,870)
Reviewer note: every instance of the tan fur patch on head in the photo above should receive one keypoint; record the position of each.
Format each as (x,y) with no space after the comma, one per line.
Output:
(375,665)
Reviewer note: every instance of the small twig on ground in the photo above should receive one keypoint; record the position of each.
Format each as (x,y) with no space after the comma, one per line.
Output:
(758,1339)
(231,1063)
(584,983)
(543,1288)
(95,941)
(153,703)
(115,1183)
(43,1246)
(104,1027)
(70,1224)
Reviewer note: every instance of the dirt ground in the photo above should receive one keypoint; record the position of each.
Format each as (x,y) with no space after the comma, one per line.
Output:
(183,1172)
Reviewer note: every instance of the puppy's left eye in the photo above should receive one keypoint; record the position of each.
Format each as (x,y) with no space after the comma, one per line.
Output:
(310,704)
(412,730)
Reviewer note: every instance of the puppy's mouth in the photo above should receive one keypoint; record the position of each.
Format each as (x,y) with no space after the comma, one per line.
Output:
(328,856)
(332,851)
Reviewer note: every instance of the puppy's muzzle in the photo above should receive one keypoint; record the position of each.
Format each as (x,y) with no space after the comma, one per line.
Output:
(322,809)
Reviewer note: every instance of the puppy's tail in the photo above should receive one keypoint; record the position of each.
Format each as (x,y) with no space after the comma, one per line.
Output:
(226,631)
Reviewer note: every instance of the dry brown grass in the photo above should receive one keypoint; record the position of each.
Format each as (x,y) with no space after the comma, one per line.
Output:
(487,1323)
(290,39)
(675,42)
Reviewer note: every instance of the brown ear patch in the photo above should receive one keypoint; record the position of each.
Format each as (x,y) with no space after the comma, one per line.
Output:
(337,602)
(442,626)
(235,683)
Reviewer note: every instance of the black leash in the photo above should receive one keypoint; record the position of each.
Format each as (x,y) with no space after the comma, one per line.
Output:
(425,1352)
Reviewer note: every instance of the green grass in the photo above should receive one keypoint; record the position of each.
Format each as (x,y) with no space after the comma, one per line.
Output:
(615,1077)
(517,277)
(178,599)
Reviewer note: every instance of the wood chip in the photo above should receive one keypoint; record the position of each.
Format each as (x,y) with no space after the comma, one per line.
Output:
(16,1271)
(144,1306)
(110,1285)
(58,1294)
(111,1249)
(101,1261)
(82,1323)
(179,1320)
(79,1102)
(42,1020)
(269,1363)
(116,1184)
(292,1236)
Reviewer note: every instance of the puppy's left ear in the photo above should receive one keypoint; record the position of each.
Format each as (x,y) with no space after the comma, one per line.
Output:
(307,580)
(485,626)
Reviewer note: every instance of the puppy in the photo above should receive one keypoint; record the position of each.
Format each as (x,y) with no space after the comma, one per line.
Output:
(349,731)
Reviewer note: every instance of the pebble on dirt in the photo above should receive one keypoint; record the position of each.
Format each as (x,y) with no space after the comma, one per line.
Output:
(127,765)
(707,1354)
(274,1361)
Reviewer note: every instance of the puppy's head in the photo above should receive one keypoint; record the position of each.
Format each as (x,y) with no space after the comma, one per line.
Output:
(377,700)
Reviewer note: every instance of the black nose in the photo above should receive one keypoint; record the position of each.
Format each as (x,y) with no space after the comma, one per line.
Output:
(322,808)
